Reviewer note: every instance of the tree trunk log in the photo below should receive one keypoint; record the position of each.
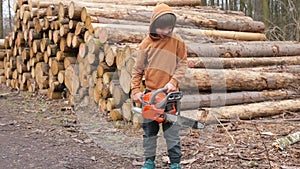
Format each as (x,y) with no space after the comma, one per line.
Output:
(56,66)
(110,54)
(220,63)
(125,78)
(253,110)
(71,79)
(198,100)
(212,79)
(246,49)
(110,105)
(127,110)
(115,114)
(188,17)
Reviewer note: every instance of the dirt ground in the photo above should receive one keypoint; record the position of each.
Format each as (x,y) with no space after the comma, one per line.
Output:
(36,132)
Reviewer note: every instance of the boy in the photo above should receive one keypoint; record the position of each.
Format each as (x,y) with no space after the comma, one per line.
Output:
(162,59)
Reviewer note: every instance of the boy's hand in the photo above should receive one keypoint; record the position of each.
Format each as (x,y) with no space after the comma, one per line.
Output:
(137,97)
(171,87)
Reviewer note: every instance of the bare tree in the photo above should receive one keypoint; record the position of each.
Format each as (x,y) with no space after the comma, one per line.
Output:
(1,20)
(9,15)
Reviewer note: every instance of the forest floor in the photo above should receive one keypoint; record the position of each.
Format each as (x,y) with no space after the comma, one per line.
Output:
(36,132)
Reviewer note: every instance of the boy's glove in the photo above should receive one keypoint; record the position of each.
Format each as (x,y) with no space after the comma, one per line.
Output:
(137,97)
(171,87)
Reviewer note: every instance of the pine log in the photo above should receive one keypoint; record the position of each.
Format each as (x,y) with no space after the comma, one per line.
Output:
(188,17)
(212,79)
(105,92)
(56,36)
(136,33)
(127,110)
(2,79)
(108,77)
(69,60)
(83,50)
(110,104)
(129,63)
(56,66)
(69,39)
(220,63)
(246,49)
(21,67)
(102,68)
(125,77)
(71,78)
(102,106)
(250,111)
(76,41)
(2,54)
(137,120)
(110,54)
(52,49)
(198,100)
(61,76)
(80,28)
(94,45)
(118,95)
(64,29)
(276,69)
(54,95)
(115,114)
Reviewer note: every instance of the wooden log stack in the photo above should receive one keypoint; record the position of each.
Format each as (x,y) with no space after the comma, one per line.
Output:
(86,50)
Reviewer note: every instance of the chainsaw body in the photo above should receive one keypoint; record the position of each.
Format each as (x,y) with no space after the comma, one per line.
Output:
(157,103)
(161,106)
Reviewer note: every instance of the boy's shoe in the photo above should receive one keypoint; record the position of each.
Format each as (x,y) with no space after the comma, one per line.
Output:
(175,166)
(149,164)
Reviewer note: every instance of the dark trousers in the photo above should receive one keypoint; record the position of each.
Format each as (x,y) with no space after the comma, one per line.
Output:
(171,134)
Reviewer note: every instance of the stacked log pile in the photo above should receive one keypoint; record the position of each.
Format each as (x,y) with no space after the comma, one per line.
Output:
(85,51)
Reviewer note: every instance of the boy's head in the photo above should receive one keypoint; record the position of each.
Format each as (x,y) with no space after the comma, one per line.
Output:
(162,21)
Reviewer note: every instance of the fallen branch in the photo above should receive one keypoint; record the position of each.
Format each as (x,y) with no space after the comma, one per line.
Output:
(290,139)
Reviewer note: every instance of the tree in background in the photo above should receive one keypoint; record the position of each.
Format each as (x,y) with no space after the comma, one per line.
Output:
(1,20)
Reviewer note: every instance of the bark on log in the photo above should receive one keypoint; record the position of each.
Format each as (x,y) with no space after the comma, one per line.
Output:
(253,110)
(220,63)
(276,69)
(246,49)
(198,100)
(110,54)
(56,66)
(188,17)
(136,33)
(213,79)
(244,111)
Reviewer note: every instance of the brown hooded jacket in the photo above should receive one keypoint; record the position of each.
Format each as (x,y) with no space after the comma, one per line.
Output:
(161,60)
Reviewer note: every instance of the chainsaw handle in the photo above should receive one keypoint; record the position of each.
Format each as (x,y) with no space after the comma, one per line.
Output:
(155,93)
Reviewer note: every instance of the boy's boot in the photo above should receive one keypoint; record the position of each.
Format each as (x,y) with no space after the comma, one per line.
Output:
(175,166)
(149,164)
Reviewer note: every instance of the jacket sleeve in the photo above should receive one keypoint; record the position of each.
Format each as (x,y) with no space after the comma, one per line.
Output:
(138,71)
(181,66)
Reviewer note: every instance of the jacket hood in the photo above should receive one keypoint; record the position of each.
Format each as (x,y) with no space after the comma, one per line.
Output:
(159,10)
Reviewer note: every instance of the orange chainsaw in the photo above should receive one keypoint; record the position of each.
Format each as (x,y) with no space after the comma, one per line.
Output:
(161,106)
